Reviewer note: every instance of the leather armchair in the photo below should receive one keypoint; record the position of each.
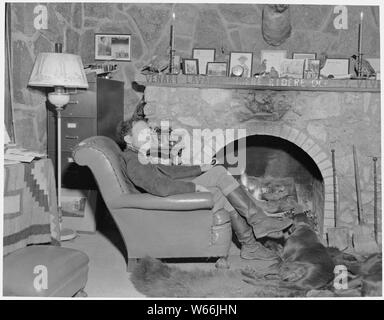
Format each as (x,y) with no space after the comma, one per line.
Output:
(179,226)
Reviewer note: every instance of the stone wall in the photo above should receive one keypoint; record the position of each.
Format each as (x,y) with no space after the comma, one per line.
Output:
(315,121)
(226,27)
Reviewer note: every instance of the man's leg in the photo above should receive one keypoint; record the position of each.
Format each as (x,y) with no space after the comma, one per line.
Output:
(242,202)
(250,248)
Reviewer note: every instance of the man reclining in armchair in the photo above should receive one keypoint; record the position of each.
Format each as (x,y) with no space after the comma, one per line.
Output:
(248,221)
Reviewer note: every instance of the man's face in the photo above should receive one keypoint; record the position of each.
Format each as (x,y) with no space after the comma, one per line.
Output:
(141,134)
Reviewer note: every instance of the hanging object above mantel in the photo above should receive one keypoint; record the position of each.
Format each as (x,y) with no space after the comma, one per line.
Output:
(276,24)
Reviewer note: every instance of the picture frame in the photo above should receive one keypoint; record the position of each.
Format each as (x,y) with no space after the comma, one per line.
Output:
(240,64)
(191,66)
(203,55)
(217,69)
(292,68)
(311,69)
(115,47)
(337,67)
(304,55)
(272,58)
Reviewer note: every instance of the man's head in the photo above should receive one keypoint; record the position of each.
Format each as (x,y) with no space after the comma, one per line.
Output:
(135,132)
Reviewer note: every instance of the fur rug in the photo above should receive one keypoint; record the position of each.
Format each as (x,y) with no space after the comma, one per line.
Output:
(154,278)
(157,279)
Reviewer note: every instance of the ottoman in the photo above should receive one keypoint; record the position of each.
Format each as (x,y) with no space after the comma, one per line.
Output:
(45,271)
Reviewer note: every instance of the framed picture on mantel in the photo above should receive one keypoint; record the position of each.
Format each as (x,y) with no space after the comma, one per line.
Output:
(203,56)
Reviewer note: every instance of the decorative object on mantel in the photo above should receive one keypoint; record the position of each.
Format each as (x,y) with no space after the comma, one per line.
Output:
(240,61)
(273,58)
(157,65)
(363,68)
(203,55)
(191,66)
(217,69)
(336,68)
(276,23)
(312,69)
(60,71)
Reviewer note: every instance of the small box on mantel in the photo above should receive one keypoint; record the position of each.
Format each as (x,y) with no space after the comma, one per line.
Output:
(79,209)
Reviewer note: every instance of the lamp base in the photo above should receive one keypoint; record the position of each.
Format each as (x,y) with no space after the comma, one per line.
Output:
(67,234)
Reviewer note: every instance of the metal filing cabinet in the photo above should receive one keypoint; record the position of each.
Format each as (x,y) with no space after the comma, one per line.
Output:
(95,111)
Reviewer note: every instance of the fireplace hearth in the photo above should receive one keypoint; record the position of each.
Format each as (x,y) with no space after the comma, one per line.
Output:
(293,174)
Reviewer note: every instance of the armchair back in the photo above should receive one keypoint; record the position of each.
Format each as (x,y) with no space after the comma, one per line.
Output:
(104,157)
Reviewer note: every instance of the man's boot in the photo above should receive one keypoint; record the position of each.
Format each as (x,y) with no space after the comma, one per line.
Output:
(262,224)
(250,248)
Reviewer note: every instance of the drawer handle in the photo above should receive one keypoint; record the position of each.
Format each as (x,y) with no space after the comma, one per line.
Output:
(74,102)
(72,137)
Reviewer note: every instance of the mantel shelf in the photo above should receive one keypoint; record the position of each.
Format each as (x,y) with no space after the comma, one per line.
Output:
(204,82)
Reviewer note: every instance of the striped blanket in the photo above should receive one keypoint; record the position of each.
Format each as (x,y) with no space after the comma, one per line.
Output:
(30,205)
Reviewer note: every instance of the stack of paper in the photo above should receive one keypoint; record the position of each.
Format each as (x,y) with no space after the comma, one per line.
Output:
(16,155)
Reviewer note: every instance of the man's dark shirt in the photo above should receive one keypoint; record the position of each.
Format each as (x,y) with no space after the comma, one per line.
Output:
(159,179)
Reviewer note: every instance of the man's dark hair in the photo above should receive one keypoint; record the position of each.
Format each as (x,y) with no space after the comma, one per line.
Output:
(125,127)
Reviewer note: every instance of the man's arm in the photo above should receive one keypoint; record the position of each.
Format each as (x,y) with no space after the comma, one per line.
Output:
(149,178)
(179,172)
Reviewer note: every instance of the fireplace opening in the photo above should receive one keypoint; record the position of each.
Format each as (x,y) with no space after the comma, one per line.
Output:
(279,162)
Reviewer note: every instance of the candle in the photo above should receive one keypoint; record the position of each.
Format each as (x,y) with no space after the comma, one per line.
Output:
(172,32)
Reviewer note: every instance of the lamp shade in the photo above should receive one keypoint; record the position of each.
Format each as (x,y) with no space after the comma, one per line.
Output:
(58,69)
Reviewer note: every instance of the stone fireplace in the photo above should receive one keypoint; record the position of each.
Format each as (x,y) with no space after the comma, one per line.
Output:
(290,133)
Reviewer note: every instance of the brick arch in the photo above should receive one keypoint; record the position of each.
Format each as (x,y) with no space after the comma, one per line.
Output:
(318,155)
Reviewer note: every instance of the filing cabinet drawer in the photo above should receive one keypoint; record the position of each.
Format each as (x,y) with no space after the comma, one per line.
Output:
(82,104)
(74,130)
(75,175)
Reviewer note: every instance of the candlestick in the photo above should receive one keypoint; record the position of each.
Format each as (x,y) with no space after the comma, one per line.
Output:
(360,46)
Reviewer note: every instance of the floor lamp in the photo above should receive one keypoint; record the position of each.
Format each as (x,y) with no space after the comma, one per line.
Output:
(60,71)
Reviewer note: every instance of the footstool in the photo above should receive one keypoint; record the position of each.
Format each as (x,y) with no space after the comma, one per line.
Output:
(45,271)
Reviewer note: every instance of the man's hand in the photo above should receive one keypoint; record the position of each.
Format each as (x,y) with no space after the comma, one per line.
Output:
(200,188)
(206,166)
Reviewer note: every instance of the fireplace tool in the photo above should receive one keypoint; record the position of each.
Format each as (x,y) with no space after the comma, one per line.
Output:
(363,239)
(375,219)
(337,236)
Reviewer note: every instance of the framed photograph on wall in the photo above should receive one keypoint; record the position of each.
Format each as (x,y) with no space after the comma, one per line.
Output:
(337,68)
(240,64)
(190,66)
(203,55)
(217,69)
(272,59)
(113,47)
(312,69)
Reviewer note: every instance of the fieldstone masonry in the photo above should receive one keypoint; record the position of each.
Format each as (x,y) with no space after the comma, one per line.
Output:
(314,121)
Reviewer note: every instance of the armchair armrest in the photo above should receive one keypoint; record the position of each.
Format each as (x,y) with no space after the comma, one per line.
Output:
(179,202)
